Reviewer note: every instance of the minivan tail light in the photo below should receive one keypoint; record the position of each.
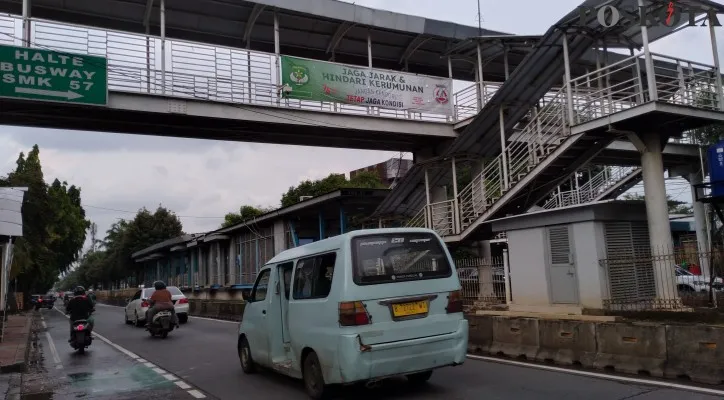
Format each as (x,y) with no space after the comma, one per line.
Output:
(454,302)
(144,304)
(353,313)
(183,301)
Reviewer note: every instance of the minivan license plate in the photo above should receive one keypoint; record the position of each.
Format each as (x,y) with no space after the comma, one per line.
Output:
(406,309)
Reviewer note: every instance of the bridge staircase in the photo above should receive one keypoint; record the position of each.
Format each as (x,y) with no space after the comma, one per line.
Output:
(609,183)
(549,145)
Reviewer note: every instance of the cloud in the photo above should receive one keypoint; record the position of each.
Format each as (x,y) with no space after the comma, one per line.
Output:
(200,186)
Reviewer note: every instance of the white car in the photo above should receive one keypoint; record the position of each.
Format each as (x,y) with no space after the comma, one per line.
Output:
(135,312)
(688,282)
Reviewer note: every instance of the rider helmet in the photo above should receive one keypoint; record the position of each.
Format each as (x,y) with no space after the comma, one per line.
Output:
(79,291)
(159,285)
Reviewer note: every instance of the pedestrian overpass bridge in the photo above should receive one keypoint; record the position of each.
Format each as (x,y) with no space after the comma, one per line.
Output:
(526,112)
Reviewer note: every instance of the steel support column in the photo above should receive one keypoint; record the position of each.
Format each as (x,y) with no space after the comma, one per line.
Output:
(717,67)
(702,233)
(342,221)
(428,220)
(277,60)
(27,40)
(650,77)
(163,45)
(481,83)
(456,204)
(503,149)
(369,49)
(505,63)
(321,226)
(567,83)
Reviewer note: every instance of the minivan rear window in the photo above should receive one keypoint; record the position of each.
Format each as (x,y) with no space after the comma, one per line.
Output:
(398,257)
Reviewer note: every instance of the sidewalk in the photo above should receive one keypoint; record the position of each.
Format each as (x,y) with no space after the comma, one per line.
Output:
(13,353)
(14,347)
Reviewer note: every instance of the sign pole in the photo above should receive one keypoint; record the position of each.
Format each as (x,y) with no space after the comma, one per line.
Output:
(27,40)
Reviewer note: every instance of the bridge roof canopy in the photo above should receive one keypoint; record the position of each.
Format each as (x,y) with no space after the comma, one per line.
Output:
(316,29)
(627,33)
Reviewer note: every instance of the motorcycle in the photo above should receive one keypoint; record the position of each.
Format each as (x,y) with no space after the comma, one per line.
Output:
(81,336)
(161,325)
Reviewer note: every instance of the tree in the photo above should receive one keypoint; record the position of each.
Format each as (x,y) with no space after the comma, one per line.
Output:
(54,226)
(709,134)
(245,213)
(112,262)
(675,206)
(365,179)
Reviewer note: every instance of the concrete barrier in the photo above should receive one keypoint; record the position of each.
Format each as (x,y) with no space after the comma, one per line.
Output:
(695,351)
(631,348)
(480,334)
(515,337)
(567,342)
(230,310)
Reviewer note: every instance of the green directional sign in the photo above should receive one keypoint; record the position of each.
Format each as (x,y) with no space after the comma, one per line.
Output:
(53,76)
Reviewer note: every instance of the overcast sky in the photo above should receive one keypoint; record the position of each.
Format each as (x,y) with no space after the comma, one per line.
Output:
(203,180)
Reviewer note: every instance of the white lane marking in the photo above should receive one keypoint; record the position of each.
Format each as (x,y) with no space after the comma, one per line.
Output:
(195,393)
(141,360)
(190,316)
(53,351)
(183,385)
(601,376)
(214,320)
(117,347)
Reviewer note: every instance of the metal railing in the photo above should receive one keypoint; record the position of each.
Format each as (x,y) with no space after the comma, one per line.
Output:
(467,103)
(624,84)
(201,71)
(613,88)
(524,150)
(595,187)
(482,280)
(663,279)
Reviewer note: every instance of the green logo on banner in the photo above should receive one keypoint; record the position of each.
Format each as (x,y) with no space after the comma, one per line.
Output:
(299,75)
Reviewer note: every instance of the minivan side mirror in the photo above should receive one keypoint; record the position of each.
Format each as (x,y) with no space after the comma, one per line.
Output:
(128,300)
(246,296)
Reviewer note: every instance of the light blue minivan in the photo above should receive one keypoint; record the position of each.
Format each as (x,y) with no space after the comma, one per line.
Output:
(359,307)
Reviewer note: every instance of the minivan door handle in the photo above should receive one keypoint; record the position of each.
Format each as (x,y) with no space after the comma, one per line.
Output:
(263,312)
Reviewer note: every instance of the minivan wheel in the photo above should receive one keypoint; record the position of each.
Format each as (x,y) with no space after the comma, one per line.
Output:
(420,377)
(313,378)
(247,363)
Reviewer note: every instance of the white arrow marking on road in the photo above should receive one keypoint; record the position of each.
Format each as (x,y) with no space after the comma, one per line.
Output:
(53,93)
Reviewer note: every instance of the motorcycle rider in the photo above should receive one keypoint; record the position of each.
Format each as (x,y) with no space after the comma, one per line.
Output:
(160,301)
(80,307)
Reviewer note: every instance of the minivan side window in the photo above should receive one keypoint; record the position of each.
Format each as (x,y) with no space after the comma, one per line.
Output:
(313,277)
(261,286)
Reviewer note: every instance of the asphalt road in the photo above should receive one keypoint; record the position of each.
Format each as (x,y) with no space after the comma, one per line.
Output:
(103,372)
(203,354)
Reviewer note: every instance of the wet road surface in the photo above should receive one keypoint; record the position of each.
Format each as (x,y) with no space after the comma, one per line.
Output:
(58,372)
(203,354)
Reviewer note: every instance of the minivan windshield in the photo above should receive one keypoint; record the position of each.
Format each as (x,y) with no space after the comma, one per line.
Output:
(386,258)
